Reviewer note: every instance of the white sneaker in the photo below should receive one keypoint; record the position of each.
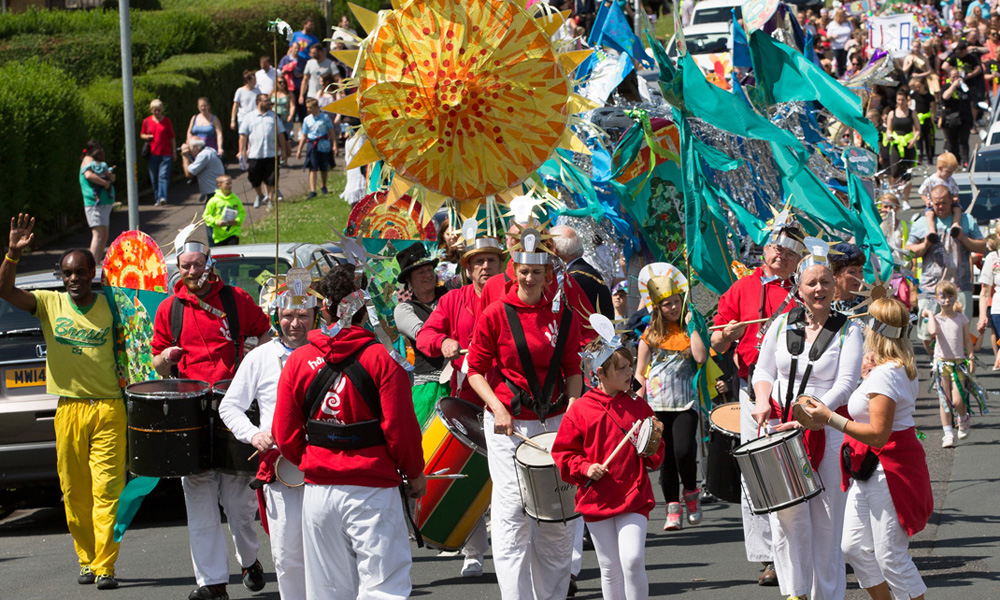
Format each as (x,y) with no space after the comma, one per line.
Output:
(160,202)
(473,566)
(964,427)
(256,203)
(948,440)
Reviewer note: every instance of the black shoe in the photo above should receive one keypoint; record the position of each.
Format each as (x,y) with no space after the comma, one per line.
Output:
(86,576)
(769,578)
(210,592)
(588,542)
(253,577)
(572,587)
(708,497)
(107,582)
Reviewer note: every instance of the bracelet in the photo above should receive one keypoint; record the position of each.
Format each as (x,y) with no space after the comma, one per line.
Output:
(838,422)
(13,261)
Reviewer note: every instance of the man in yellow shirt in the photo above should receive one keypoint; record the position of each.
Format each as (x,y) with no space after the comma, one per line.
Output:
(90,419)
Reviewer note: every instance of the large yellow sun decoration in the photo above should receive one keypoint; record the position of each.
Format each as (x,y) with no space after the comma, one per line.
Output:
(462,99)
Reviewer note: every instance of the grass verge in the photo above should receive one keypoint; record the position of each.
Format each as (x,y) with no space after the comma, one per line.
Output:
(304,220)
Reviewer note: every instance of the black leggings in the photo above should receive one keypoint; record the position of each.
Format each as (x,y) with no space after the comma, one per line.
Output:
(956,141)
(926,142)
(680,459)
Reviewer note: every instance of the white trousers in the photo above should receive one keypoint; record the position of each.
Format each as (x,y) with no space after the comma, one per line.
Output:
(478,542)
(284,521)
(356,543)
(620,543)
(756,528)
(203,494)
(532,559)
(875,543)
(577,563)
(806,537)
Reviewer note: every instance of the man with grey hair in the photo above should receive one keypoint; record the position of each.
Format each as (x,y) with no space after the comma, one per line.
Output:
(569,247)
(204,163)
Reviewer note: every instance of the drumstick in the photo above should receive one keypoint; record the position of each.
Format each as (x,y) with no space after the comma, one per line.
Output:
(750,322)
(454,476)
(620,445)
(528,441)
(255,453)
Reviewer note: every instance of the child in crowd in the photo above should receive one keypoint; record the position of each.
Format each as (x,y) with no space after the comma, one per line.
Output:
(617,503)
(224,214)
(619,298)
(317,131)
(947,164)
(953,345)
(666,365)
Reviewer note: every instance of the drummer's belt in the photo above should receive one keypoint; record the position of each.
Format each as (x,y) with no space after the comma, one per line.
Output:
(539,398)
(335,436)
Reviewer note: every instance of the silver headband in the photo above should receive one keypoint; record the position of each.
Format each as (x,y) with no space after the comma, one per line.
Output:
(786,241)
(483,243)
(886,330)
(194,247)
(811,260)
(531,258)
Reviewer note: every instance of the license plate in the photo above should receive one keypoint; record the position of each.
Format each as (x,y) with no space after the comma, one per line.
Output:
(30,377)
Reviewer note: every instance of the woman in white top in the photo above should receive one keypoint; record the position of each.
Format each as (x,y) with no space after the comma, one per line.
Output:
(245,99)
(839,33)
(806,537)
(887,462)
(989,300)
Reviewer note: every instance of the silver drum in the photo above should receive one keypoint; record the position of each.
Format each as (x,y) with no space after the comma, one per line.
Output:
(546,497)
(776,472)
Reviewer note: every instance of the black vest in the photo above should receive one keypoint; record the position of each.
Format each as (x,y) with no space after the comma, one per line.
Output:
(421,362)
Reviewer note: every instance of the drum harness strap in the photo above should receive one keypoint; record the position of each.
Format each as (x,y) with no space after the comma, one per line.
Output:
(232,316)
(795,340)
(540,398)
(336,436)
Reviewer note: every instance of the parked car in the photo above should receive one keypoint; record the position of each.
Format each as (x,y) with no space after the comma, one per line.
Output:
(716,11)
(240,266)
(986,176)
(27,412)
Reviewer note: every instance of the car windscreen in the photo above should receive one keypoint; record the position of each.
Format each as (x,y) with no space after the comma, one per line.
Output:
(987,205)
(707,43)
(243,271)
(14,321)
(716,15)
(988,162)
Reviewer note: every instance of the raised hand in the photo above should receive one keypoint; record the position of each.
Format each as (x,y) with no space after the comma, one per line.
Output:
(20,232)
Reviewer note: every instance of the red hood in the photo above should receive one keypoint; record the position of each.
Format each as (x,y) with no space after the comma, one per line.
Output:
(514,300)
(182,292)
(345,344)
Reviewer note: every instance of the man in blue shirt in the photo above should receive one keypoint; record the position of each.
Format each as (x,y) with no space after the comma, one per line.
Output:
(306,35)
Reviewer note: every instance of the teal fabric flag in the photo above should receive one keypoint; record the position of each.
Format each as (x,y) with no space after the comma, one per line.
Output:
(671,83)
(870,237)
(129,502)
(810,195)
(698,325)
(784,74)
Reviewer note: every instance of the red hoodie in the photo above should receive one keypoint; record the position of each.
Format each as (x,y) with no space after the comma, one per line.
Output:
(375,466)
(209,353)
(454,317)
(588,434)
(493,346)
(499,285)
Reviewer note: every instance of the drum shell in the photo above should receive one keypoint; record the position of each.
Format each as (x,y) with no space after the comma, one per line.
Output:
(451,508)
(778,475)
(546,497)
(229,455)
(168,428)
(723,478)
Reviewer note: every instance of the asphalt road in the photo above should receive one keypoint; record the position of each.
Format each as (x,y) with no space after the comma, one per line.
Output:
(958,553)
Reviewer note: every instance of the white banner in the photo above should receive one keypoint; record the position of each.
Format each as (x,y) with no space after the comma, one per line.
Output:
(894,34)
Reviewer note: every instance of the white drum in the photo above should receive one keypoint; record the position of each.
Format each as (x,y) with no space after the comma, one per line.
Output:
(546,497)
(287,473)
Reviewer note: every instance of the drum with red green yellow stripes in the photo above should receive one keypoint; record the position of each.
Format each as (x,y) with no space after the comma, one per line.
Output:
(454,444)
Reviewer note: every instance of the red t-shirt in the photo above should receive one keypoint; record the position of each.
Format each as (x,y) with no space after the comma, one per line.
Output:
(454,317)
(163,135)
(210,354)
(588,434)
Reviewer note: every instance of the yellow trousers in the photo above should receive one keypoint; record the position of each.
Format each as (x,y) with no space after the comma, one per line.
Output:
(91,451)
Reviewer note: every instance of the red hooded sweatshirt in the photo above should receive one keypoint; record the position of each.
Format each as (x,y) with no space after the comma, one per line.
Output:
(499,285)
(454,317)
(375,466)
(493,346)
(588,434)
(209,353)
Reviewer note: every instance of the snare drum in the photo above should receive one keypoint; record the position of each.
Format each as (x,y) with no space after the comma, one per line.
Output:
(287,473)
(229,455)
(168,427)
(777,472)
(723,477)
(546,497)
(647,440)
(451,508)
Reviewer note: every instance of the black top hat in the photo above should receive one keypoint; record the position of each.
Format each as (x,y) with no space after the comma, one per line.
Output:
(412,258)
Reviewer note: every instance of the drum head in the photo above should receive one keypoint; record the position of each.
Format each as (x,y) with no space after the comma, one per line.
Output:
(464,420)
(726,418)
(642,436)
(221,387)
(531,456)
(764,442)
(167,388)
(287,473)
